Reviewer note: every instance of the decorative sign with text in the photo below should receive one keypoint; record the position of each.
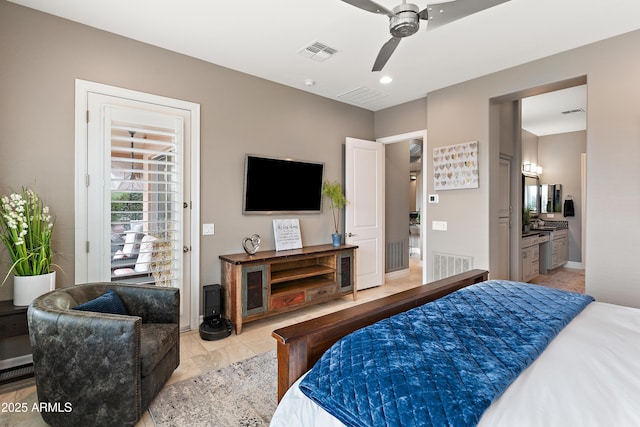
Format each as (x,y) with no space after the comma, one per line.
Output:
(287,234)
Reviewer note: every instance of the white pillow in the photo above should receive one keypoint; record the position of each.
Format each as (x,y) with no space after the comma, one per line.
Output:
(123,271)
(119,255)
(145,255)
(130,238)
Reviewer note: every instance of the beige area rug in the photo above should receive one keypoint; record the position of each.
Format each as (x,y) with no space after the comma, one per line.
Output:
(241,394)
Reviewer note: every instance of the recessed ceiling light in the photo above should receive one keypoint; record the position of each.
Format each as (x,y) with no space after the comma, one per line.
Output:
(309,82)
(385,80)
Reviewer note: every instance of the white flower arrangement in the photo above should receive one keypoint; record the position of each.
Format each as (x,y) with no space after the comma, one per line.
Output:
(25,228)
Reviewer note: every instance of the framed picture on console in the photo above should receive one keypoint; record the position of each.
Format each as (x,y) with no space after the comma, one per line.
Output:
(287,234)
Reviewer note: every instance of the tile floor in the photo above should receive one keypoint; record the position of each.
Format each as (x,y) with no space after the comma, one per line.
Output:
(198,356)
(563,278)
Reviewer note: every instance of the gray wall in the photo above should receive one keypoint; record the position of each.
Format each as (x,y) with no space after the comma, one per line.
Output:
(397,204)
(529,148)
(43,55)
(461,113)
(408,117)
(560,157)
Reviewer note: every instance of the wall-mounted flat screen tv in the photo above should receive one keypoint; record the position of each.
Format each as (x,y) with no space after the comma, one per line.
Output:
(277,185)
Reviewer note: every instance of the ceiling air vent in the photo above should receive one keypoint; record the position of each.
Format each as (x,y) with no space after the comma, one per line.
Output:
(317,51)
(361,95)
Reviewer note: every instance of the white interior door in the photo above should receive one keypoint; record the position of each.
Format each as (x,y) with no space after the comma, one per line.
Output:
(364,214)
(504,221)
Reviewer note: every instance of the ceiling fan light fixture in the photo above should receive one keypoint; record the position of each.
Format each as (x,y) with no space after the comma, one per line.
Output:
(406,21)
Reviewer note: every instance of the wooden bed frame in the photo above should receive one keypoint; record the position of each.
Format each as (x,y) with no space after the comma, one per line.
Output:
(301,345)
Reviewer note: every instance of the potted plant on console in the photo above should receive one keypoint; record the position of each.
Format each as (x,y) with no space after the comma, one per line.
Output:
(25,229)
(333,191)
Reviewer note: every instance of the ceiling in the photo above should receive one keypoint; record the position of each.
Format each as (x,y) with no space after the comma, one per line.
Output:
(264,38)
(555,112)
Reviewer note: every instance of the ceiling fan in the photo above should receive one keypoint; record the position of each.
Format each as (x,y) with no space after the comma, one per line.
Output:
(404,19)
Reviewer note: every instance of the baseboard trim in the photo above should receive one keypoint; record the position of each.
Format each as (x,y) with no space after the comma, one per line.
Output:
(396,274)
(16,361)
(574,264)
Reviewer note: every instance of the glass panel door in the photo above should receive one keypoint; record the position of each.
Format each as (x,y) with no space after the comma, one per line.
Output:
(146,203)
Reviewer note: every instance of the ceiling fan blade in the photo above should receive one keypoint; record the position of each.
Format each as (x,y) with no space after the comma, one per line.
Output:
(439,14)
(370,6)
(424,13)
(385,53)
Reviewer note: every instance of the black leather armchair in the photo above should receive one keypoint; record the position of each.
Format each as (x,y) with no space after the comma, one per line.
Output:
(103,369)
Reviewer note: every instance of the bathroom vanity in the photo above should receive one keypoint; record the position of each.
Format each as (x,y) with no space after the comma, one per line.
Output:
(530,254)
(543,249)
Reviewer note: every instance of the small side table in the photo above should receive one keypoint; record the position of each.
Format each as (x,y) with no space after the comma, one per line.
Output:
(13,323)
(13,320)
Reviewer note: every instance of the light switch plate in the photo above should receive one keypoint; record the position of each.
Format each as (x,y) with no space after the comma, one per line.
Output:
(208,229)
(433,198)
(439,225)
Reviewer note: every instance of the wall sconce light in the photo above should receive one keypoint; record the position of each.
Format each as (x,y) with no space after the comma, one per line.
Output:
(531,169)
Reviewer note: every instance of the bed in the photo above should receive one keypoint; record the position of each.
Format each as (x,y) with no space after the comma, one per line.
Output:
(586,372)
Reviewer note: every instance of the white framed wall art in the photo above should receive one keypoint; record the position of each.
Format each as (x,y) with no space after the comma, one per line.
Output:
(455,166)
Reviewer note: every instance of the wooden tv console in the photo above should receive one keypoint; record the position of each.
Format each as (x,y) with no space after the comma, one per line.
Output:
(273,282)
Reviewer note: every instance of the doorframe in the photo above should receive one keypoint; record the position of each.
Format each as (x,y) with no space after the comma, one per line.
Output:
(82,88)
(419,134)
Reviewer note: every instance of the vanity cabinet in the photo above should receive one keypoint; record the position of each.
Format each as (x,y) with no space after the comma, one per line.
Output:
(530,255)
(559,253)
(530,258)
(273,282)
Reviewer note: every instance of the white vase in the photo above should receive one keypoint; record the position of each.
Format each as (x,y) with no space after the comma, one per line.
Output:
(28,288)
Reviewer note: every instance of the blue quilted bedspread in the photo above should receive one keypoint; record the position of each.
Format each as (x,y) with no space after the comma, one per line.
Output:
(443,363)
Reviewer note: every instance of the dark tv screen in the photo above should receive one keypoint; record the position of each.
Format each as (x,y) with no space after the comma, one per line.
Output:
(276,185)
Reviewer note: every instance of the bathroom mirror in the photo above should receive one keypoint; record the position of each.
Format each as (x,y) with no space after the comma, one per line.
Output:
(531,194)
(551,195)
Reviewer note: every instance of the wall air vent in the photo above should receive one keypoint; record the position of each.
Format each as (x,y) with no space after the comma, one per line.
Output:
(361,95)
(446,265)
(576,110)
(317,51)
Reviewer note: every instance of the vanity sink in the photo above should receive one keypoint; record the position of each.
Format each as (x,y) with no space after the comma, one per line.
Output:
(531,233)
(549,228)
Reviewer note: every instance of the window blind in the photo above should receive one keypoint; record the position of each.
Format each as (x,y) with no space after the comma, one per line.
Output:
(146,204)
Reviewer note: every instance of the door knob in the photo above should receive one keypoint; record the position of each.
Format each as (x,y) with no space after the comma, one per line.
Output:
(185,249)
(351,234)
